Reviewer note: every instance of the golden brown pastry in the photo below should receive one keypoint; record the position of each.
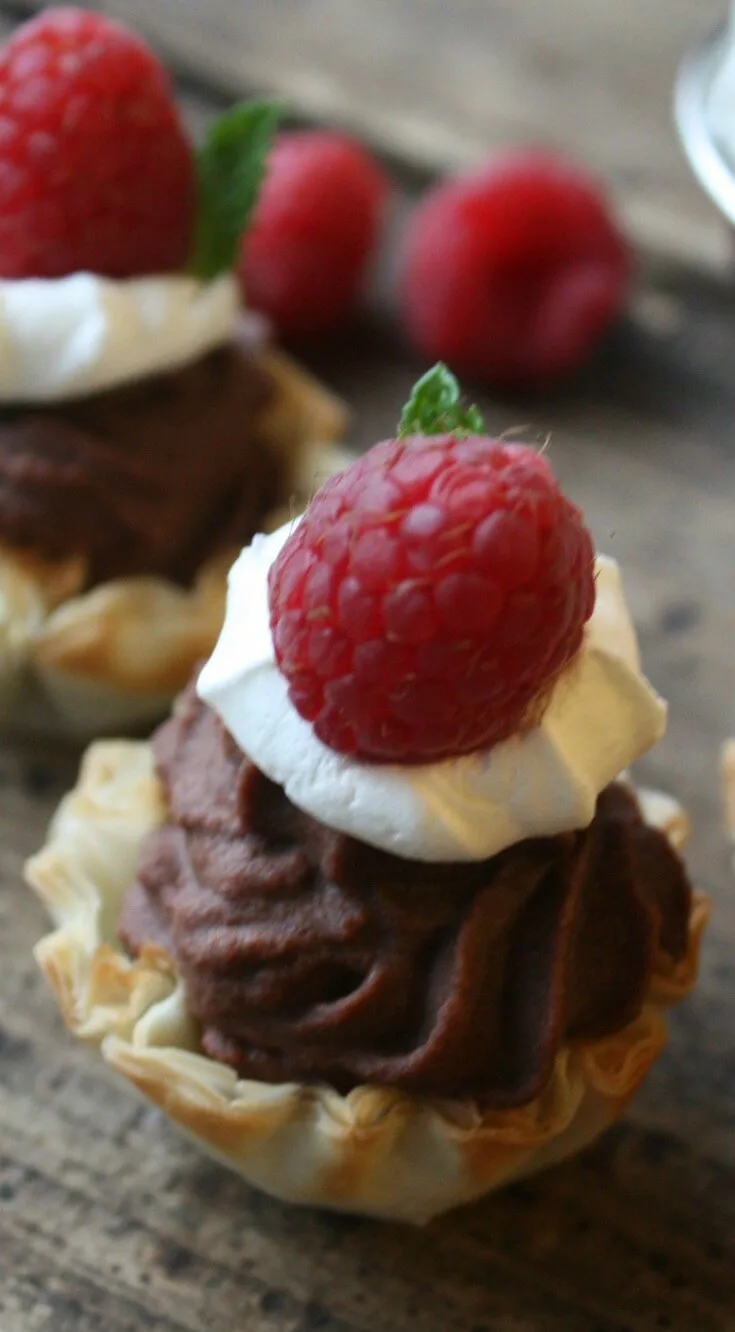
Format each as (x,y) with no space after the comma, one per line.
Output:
(372,1150)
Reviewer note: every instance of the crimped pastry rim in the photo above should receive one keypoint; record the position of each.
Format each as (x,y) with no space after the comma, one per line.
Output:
(83,663)
(374,1151)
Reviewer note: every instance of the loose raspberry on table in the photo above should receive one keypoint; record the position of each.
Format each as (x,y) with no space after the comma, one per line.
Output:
(513,272)
(430,596)
(96,171)
(314,232)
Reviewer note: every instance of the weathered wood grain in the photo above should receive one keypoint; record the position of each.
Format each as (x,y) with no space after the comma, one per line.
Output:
(440,84)
(110,1222)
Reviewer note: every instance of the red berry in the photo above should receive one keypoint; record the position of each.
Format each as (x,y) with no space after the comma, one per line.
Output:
(513,272)
(96,172)
(314,231)
(429,597)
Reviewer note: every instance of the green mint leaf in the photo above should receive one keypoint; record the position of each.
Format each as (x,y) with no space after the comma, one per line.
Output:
(230,169)
(435,407)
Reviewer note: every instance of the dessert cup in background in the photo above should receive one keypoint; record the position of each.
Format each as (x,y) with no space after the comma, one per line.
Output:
(148,425)
(80,656)
(389,984)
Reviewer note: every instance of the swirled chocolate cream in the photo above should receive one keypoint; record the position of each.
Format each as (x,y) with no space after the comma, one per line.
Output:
(399,848)
(133,423)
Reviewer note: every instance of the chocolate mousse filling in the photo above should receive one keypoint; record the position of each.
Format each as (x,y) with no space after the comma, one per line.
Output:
(309,956)
(147,478)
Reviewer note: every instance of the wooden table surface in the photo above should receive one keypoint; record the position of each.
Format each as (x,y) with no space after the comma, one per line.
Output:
(109,1221)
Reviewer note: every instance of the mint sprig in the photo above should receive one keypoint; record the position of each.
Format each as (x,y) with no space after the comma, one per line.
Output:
(435,407)
(230,169)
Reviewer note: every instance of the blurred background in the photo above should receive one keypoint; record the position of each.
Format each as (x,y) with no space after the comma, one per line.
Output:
(437,84)
(114,1225)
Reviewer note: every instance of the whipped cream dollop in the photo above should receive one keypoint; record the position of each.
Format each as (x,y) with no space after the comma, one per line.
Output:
(66,337)
(601,716)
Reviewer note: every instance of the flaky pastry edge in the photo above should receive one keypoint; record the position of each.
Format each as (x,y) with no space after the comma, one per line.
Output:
(374,1151)
(84,663)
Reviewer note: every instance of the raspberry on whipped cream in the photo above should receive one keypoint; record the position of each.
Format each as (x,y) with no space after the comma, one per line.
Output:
(430,596)
(600,717)
(345,910)
(541,712)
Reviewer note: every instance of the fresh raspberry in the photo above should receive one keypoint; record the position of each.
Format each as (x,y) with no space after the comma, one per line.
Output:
(96,172)
(513,272)
(429,597)
(314,231)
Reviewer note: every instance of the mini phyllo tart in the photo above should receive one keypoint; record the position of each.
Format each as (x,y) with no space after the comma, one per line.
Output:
(148,426)
(379,918)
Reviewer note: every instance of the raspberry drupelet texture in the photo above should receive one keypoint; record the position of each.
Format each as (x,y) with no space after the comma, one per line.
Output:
(513,272)
(314,232)
(96,171)
(430,596)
